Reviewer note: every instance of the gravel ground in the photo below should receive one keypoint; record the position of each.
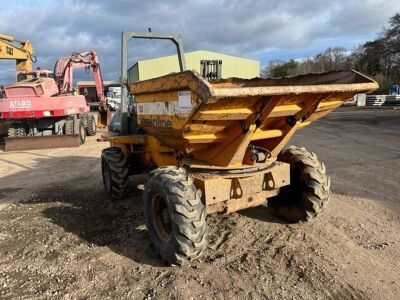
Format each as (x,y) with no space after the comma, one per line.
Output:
(61,237)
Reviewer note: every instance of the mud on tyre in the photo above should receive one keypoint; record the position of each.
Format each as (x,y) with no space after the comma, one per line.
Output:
(90,125)
(114,169)
(81,131)
(12,131)
(175,215)
(309,189)
(76,126)
(16,130)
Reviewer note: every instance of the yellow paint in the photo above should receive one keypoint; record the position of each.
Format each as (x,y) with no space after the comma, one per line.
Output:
(222,122)
(303,124)
(149,149)
(285,110)
(204,138)
(266,134)
(21,53)
(329,104)
(224,114)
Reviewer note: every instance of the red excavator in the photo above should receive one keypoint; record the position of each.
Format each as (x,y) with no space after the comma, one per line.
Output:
(46,112)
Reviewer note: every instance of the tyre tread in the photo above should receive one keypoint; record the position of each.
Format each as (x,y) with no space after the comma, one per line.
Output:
(89,125)
(188,214)
(313,186)
(118,170)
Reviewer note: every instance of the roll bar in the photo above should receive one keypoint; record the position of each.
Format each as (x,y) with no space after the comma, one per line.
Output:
(125,37)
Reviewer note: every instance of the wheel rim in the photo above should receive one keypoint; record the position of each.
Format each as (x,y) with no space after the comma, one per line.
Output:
(161,217)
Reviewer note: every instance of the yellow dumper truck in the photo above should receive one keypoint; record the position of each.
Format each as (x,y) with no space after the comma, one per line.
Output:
(219,147)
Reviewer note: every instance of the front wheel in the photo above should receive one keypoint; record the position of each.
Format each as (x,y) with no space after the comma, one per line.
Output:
(175,215)
(82,132)
(309,190)
(90,125)
(114,169)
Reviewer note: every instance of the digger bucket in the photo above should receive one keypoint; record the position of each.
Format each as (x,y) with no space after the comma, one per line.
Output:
(103,119)
(41,142)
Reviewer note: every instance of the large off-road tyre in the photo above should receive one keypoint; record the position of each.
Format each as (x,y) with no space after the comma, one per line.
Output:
(90,125)
(114,169)
(20,130)
(12,131)
(309,189)
(81,131)
(69,127)
(175,215)
(16,130)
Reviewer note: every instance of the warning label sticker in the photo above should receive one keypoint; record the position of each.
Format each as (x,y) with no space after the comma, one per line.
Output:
(181,107)
(185,102)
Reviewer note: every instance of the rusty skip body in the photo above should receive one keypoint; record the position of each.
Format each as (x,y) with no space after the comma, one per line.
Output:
(232,192)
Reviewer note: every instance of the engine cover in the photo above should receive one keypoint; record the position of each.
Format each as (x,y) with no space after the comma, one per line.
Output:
(37,87)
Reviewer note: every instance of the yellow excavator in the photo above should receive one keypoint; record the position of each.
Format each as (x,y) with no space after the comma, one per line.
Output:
(22,53)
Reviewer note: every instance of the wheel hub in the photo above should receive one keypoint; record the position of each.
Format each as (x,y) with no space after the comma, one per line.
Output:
(161,217)
(106,177)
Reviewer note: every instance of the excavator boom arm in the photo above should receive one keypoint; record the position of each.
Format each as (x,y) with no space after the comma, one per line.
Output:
(22,53)
(64,72)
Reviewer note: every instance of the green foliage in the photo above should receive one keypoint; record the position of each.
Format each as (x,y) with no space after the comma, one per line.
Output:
(284,68)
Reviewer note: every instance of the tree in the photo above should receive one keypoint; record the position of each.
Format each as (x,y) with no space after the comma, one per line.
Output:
(379,59)
(279,68)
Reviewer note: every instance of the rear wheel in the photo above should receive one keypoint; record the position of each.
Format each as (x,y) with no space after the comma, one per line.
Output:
(12,131)
(20,131)
(175,215)
(114,168)
(90,125)
(82,131)
(16,130)
(309,189)
(69,127)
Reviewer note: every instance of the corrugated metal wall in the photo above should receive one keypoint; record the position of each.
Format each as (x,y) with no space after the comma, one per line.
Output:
(232,66)
(133,73)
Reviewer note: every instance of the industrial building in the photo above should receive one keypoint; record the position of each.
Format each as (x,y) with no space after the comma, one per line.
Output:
(210,65)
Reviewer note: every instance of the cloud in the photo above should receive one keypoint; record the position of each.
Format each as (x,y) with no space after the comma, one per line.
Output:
(251,28)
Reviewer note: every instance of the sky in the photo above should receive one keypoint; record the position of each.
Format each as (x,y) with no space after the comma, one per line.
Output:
(256,29)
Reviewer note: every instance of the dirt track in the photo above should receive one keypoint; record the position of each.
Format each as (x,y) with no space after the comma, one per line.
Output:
(61,238)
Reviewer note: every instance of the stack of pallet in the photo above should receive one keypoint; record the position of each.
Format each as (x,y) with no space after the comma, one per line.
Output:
(383,100)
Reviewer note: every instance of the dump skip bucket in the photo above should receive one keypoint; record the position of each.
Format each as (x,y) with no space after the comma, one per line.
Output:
(216,121)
